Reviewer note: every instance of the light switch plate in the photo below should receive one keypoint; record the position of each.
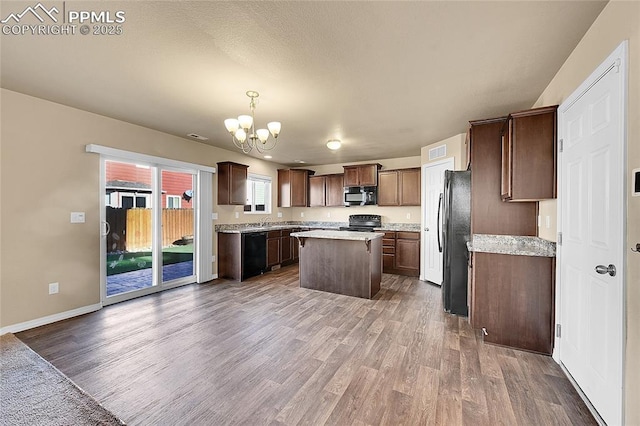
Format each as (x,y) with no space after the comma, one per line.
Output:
(214,216)
(279,214)
(77,217)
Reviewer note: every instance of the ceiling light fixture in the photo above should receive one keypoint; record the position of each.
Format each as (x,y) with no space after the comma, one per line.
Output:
(243,131)
(334,144)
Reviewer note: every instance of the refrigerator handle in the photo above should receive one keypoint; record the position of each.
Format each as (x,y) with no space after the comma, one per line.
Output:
(438,223)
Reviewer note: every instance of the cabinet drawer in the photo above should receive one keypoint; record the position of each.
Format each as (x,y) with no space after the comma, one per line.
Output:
(286,232)
(389,242)
(391,234)
(274,234)
(388,250)
(409,235)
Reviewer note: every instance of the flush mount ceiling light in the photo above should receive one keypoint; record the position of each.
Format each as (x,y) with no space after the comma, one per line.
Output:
(334,144)
(243,131)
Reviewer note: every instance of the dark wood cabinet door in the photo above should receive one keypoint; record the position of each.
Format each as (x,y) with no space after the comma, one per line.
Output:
(351,177)
(513,299)
(285,247)
(505,184)
(533,154)
(334,190)
(409,187)
(408,252)
(299,188)
(388,188)
(368,174)
(293,187)
(232,183)
(317,191)
(295,249)
(489,214)
(273,251)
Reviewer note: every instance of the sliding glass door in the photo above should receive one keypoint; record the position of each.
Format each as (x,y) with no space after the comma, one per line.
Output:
(178,226)
(149,229)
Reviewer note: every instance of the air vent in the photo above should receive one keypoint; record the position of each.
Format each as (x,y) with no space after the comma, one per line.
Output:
(195,136)
(437,152)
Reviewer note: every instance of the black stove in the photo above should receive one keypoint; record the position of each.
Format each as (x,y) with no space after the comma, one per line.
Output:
(363,223)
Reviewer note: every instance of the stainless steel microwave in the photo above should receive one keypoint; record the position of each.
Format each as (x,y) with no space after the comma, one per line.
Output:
(360,195)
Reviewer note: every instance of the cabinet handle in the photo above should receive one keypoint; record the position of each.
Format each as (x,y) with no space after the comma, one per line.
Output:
(484,331)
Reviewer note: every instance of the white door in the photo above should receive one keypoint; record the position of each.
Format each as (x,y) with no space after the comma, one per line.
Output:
(432,219)
(592,214)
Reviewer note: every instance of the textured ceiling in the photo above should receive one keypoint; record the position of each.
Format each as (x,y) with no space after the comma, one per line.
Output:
(384,77)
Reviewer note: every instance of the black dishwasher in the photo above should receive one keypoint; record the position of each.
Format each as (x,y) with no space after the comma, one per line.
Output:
(254,254)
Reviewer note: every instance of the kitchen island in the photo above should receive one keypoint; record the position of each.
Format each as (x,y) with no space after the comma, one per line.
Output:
(343,262)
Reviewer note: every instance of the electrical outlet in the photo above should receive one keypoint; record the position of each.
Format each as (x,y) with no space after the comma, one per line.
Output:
(54,288)
(408,215)
(213,258)
(328,214)
(301,214)
(548,221)
(237,215)
(279,214)
(539,221)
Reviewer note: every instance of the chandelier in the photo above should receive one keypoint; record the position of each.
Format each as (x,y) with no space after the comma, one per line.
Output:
(243,131)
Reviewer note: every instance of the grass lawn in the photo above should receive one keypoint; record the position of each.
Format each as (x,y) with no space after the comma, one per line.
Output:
(117,263)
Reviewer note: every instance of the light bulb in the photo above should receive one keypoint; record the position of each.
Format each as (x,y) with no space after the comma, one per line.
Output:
(232,125)
(274,128)
(263,135)
(245,122)
(241,135)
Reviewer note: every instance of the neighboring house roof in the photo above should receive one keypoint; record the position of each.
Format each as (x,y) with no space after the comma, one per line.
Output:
(126,185)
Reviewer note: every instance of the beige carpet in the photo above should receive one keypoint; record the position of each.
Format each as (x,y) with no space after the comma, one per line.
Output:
(33,392)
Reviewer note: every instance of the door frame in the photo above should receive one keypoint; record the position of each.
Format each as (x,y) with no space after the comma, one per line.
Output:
(423,210)
(618,58)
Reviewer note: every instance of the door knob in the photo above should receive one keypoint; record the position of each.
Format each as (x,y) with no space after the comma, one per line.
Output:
(611,270)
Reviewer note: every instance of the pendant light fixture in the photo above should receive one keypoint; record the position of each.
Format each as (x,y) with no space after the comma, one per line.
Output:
(243,131)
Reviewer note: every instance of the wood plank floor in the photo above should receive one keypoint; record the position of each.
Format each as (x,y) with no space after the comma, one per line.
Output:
(266,352)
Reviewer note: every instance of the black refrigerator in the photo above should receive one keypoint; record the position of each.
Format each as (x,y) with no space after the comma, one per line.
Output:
(456,227)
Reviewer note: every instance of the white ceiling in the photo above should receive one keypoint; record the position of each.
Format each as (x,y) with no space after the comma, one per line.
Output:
(384,77)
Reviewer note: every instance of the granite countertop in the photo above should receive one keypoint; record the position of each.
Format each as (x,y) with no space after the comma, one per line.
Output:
(511,244)
(339,235)
(243,228)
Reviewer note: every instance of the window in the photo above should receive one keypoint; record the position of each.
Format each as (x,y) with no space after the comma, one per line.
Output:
(173,202)
(258,194)
(129,201)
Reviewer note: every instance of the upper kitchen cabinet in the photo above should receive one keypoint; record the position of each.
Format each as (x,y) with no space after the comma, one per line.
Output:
(326,191)
(529,155)
(232,183)
(293,187)
(399,187)
(361,175)
(489,214)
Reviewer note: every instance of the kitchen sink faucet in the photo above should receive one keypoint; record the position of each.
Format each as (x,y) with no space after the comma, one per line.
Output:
(263,221)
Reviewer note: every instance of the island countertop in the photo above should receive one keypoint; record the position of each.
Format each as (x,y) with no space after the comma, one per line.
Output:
(339,235)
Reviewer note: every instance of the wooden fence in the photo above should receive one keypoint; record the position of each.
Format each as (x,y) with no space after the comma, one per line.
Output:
(131,228)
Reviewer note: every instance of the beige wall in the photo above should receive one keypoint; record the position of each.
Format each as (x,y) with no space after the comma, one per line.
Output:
(341,214)
(46,174)
(456,148)
(620,20)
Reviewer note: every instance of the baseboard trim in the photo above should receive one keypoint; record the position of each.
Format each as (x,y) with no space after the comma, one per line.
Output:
(16,328)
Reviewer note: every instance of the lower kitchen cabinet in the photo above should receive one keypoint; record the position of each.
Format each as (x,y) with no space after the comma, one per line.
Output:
(401,253)
(273,248)
(244,255)
(511,299)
